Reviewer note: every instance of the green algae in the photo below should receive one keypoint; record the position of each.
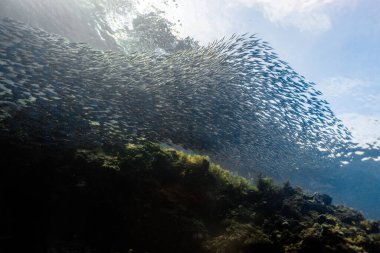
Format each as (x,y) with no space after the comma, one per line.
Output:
(144,198)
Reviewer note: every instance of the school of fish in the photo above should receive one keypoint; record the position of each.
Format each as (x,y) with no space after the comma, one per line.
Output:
(233,99)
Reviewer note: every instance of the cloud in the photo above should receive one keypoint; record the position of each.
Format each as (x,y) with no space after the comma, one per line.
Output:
(356,104)
(340,86)
(350,94)
(203,20)
(306,15)
(364,128)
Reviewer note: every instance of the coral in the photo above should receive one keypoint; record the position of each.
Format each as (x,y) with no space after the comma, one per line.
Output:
(144,198)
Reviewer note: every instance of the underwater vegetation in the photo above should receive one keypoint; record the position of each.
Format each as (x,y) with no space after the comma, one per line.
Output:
(144,198)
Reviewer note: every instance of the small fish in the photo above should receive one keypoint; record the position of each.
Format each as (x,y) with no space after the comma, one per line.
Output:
(234,96)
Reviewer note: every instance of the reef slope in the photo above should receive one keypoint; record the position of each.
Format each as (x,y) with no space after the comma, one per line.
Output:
(144,198)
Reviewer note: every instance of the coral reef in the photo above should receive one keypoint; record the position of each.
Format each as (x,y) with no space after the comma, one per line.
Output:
(145,198)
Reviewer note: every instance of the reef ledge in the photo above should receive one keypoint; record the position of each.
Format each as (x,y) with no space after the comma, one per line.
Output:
(145,198)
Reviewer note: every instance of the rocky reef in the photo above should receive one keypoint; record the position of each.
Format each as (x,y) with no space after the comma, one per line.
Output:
(142,197)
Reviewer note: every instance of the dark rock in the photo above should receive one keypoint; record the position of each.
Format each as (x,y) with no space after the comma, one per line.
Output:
(146,199)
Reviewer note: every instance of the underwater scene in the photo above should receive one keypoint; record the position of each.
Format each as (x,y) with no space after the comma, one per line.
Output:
(189,126)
